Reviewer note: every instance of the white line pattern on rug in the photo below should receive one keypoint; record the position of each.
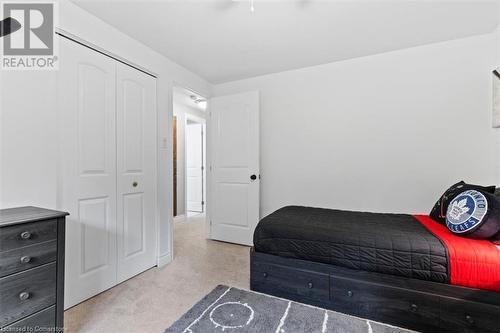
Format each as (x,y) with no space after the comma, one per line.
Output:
(370,330)
(188,329)
(282,320)
(316,307)
(224,327)
(325,321)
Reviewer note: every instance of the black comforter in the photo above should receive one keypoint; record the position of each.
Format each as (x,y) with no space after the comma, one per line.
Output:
(394,244)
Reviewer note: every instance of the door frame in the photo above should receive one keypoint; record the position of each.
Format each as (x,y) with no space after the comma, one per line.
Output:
(61,33)
(174,164)
(203,122)
(207,96)
(208,173)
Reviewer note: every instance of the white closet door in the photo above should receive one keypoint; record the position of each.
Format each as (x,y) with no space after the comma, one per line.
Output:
(88,168)
(136,165)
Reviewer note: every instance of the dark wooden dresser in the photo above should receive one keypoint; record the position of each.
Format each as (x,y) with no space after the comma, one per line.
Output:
(31,270)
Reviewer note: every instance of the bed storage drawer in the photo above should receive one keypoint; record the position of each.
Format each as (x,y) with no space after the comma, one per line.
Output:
(25,234)
(288,281)
(27,257)
(26,292)
(475,317)
(382,302)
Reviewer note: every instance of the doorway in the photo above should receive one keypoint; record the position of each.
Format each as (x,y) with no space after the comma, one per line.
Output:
(189,153)
(233,164)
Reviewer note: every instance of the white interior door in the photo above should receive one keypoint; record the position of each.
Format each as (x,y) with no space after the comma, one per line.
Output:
(88,167)
(194,167)
(136,165)
(234,205)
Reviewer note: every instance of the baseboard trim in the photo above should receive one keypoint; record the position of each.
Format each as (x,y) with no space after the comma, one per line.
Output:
(164,260)
(179,218)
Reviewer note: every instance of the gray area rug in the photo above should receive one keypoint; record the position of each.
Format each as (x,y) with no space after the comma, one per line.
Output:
(229,310)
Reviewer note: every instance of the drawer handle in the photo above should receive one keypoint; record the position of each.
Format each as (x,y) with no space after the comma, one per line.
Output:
(264,274)
(414,308)
(26,235)
(310,285)
(349,293)
(25,259)
(469,319)
(24,296)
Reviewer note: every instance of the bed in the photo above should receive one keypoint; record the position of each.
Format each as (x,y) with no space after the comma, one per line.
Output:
(396,268)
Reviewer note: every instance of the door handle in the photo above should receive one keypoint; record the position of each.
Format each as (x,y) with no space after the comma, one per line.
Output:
(253,177)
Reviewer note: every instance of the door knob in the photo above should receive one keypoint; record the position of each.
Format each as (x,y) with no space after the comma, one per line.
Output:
(134,184)
(253,177)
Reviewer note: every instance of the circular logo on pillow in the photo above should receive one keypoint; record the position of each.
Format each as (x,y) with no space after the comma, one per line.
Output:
(466,211)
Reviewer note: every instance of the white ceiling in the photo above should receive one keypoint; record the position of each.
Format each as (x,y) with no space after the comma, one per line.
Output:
(222,40)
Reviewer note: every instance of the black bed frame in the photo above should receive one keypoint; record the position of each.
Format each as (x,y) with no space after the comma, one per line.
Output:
(415,304)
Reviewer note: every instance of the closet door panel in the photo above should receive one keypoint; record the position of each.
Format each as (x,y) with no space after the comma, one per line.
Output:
(91,122)
(136,165)
(88,168)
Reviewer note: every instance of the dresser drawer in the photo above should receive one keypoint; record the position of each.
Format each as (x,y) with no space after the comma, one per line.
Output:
(27,292)
(25,234)
(27,257)
(42,321)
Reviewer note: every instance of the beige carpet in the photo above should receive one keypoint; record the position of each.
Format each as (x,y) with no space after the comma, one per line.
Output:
(153,300)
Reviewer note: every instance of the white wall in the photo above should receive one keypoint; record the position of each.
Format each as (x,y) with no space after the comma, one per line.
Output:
(496,36)
(182,111)
(28,151)
(28,157)
(384,133)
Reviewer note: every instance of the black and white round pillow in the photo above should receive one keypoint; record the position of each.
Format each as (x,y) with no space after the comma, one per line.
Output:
(474,214)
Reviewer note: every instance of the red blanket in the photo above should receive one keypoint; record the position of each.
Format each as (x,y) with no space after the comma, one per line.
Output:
(473,263)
